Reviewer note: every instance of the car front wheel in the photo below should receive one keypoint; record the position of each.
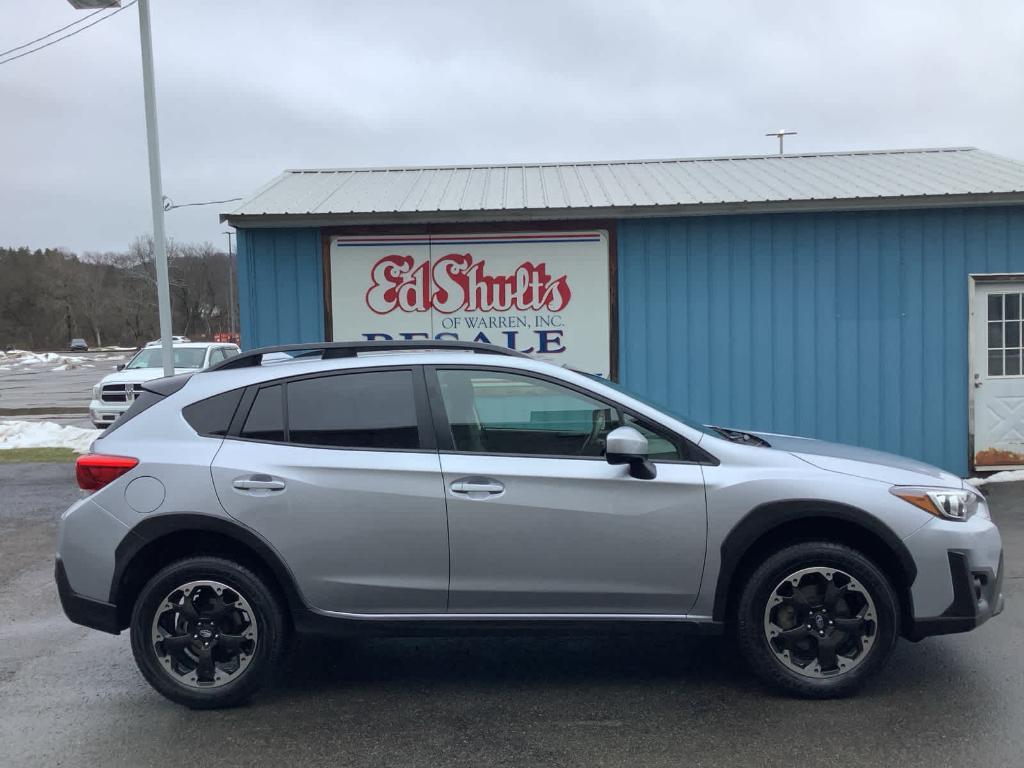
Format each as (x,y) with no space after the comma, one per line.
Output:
(207,632)
(817,619)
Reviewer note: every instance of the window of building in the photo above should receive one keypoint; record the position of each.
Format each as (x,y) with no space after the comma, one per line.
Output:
(1004,334)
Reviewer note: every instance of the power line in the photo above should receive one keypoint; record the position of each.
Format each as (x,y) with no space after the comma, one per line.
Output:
(170,205)
(69,34)
(51,34)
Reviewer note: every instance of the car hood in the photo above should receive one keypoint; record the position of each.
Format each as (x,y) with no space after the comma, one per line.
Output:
(139,375)
(862,462)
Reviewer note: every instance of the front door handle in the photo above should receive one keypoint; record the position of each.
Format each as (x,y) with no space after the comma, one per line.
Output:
(258,483)
(477,487)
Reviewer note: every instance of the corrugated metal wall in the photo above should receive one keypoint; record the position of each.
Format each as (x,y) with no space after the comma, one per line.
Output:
(845,326)
(280,286)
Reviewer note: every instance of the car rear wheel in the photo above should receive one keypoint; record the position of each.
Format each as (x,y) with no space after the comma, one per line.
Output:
(207,632)
(817,619)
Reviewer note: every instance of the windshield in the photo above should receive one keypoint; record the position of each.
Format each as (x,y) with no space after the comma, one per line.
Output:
(184,357)
(659,406)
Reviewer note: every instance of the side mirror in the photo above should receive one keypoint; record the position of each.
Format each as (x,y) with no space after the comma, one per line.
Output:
(626,445)
(119,367)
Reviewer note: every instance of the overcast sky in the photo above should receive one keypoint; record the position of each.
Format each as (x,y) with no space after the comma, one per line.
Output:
(247,88)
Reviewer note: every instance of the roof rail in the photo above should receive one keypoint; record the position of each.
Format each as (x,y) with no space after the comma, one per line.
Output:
(340,349)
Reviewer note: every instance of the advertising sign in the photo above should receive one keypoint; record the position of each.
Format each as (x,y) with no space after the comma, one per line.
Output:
(543,293)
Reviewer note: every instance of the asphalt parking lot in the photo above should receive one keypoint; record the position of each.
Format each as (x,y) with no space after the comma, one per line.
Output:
(71,696)
(55,391)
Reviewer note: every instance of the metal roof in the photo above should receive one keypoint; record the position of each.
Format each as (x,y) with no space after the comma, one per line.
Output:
(839,180)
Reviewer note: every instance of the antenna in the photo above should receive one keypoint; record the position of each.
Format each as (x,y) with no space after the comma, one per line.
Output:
(782,133)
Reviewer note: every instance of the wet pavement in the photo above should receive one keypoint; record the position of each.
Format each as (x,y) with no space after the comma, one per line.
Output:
(71,696)
(43,391)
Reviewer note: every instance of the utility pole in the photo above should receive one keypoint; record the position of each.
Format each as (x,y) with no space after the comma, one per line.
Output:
(231,286)
(781,134)
(156,192)
(163,284)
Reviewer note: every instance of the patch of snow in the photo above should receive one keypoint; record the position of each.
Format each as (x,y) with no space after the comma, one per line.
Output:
(45,434)
(20,358)
(1009,476)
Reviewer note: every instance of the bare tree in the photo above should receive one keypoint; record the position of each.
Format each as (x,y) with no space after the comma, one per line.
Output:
(48,296)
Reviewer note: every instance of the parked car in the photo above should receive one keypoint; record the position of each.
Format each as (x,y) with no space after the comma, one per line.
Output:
(78,345)
(429,487)
(174,340)
(115,393)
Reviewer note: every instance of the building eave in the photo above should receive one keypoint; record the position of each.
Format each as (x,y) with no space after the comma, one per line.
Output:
(384,218)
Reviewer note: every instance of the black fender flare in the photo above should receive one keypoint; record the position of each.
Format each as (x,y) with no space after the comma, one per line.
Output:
(765,518)
(153,529)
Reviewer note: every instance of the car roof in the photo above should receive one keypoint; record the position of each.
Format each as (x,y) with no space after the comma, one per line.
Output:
(280,368)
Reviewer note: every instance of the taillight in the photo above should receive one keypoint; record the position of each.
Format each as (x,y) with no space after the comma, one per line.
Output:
(94,470)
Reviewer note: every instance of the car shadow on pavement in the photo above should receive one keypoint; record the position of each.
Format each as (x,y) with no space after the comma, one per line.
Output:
(324,663)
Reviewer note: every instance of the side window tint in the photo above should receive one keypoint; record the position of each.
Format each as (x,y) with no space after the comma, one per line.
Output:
(230,352)
(265,421)
(376,409)
(496,412)
(660,444)
(213,415)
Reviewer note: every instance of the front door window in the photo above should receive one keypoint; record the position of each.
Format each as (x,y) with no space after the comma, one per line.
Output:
(505,413)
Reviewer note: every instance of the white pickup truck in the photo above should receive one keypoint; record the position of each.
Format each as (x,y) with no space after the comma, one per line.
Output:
(116,392)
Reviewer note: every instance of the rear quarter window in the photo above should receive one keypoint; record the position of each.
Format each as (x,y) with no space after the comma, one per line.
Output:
(213,415)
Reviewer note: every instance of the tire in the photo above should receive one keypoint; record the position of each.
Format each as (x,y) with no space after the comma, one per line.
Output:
(243,626)
(779,622)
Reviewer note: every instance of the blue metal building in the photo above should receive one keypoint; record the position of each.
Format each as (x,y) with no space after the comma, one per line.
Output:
(853,297)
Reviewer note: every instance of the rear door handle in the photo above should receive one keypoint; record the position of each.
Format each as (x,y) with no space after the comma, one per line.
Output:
(477,487)
(258,483)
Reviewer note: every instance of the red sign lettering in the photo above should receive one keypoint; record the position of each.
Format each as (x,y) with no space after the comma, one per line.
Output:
(457,283)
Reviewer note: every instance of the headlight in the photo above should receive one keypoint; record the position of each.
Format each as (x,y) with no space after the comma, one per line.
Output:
(945,503)
(96,391)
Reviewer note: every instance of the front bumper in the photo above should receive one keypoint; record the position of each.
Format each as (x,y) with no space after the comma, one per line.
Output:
(86,611)
(959,582)
(977,597)
(105,413)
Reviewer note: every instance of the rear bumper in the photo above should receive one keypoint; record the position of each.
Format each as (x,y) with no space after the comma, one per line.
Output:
(86,611)
(977,597)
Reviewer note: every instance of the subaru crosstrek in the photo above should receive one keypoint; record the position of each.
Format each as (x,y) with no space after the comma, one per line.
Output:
(430,487)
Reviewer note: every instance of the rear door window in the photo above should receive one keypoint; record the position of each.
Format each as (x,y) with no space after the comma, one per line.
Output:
(374,409)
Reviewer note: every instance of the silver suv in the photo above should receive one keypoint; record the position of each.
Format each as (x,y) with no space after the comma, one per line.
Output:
(435,487)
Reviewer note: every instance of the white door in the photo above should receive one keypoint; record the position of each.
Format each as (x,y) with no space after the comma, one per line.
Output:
(997,372)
